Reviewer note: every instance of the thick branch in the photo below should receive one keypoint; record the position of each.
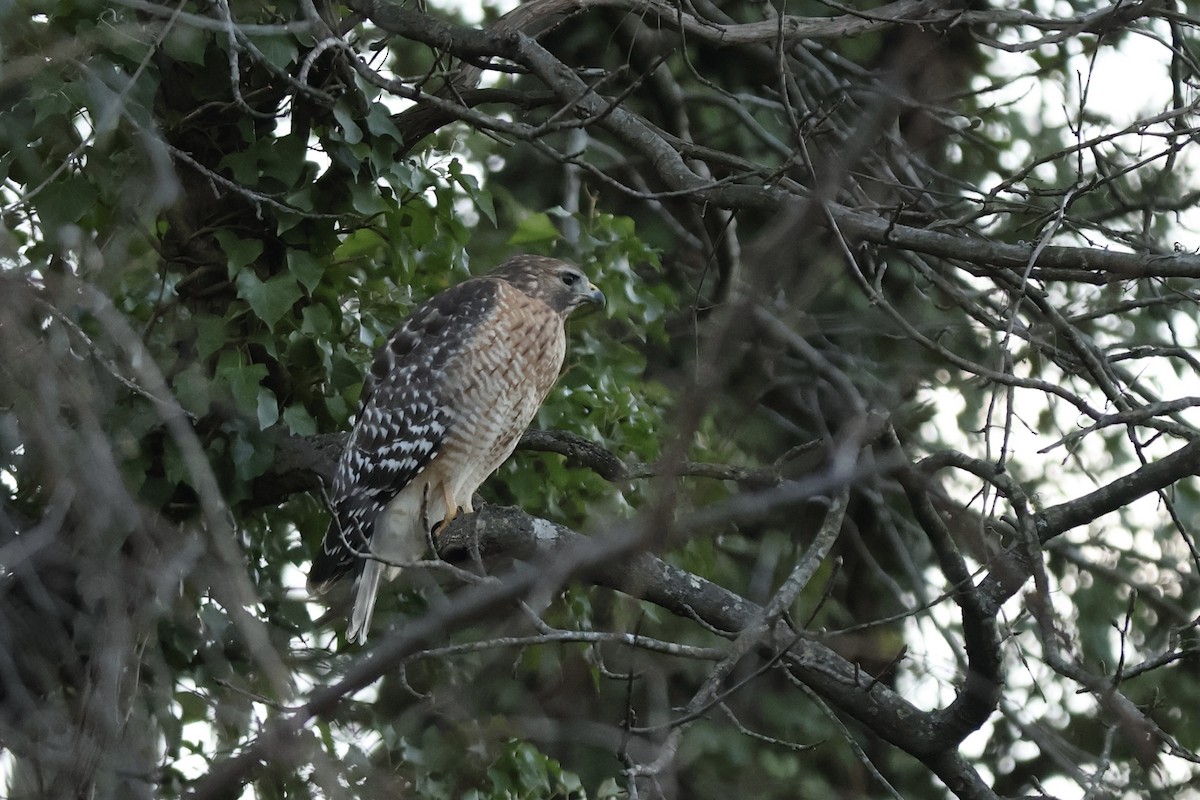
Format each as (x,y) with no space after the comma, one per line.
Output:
(680,178)
(509,532)
(1124,490)
(613,561)
(1110,263)
(470,603)
(305,463)
(1010,571)
(980,693)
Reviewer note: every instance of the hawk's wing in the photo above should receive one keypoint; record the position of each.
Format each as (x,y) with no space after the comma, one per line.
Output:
(404,416)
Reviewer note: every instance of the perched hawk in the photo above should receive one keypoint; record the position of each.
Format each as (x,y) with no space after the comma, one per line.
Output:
(443,406)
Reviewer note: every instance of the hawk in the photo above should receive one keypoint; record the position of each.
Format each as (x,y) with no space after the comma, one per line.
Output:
(446,399)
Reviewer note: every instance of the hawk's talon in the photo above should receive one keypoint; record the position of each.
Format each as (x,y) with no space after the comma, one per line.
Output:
(435,532)
(437,529)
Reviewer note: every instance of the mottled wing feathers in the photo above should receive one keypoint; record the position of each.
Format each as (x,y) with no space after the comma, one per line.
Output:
(404,418)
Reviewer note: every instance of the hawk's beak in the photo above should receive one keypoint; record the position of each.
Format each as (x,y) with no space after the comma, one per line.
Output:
(594,295)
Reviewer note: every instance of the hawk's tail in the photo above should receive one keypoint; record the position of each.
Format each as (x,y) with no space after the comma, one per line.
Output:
(337,554)
(364,601)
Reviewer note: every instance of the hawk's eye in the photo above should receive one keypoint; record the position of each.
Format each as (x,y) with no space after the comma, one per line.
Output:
(570,278)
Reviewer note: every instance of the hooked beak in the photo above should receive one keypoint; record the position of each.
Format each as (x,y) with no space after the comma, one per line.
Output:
(594,295)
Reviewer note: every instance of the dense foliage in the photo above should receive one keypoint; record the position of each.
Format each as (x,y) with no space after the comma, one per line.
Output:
(884,449)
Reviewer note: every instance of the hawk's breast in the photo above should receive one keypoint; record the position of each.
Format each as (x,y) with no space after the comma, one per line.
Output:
(496,385)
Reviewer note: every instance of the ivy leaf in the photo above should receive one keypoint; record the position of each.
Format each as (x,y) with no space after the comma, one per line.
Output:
(239,252)
(483,201)
(379,122)
(363,242)
(479,196)
(351,133)
(268,408)
(269,299)
(299,421)
(534,228)
(192,390)
(211,334)
(420,223)
(280,51)
(316,321)
(243,381)
(367,199)
(251,456)
(65,201)
(307,268)
(184,43)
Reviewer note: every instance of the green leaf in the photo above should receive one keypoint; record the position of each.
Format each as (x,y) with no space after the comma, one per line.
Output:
(485,204)
(299,421)
(534,228)
(192,390)
(412,176)
(48,99)
(243,167)
(470,184)
(269,299)
(379,122)
(307,268)
(285,159)
(419,223)
(193,706)
(242,379)
(185,43)
(363,242)
(65,201)
(351,133)
(252,456)
(240,252)
(317,321)
(212,334)
(280,51)
(268,408)
(368,200)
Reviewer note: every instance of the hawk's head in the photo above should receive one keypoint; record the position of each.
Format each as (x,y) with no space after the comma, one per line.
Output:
(560,285)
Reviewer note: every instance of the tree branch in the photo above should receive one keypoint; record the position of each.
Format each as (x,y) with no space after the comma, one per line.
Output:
(1142,481)
(558,554)
(497,531)
(305,463)
(670,165)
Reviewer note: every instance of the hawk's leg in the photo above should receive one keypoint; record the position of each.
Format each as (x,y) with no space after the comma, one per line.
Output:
(437,529)
(453,509)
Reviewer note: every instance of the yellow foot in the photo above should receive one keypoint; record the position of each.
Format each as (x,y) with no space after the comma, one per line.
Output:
(441,526)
